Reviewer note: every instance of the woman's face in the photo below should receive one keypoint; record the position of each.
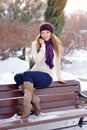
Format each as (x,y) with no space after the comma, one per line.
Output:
(46,35)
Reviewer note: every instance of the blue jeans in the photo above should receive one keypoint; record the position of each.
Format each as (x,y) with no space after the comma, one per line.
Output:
(38,78)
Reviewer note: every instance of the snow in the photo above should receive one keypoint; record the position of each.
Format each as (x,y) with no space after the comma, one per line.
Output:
(9,67)
(78,68)
(83,31)
(49,115)
(33,118)
(79,63)
(13,65)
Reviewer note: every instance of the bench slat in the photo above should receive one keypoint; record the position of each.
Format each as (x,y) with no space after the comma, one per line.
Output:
(9,94)
(58,104)
(43,98)
(11,109)
(65,108)
(56,89)
(58,97)
(71,114)
(11,102)
(68,83)
(7,87)
(5,116)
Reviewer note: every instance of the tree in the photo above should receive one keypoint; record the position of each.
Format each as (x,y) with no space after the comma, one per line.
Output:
(22,10)
(55,14)
(74,34)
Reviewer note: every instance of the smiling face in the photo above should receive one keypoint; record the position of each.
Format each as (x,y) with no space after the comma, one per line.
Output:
(46,35)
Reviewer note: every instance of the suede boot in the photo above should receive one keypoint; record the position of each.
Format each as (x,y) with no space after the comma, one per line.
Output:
(28,94)
(22,88)
(36,104)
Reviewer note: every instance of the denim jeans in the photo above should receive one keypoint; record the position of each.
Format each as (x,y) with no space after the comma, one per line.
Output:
(38,78)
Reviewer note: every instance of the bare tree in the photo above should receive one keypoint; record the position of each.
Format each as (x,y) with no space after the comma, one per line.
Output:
(71,35)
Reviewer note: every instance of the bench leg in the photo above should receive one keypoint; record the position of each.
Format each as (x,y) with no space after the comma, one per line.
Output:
(80,123)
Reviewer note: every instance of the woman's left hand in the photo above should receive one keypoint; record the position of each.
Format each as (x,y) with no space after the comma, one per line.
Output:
(62,81)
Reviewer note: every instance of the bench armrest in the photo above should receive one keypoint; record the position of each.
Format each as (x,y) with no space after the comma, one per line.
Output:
(82,95)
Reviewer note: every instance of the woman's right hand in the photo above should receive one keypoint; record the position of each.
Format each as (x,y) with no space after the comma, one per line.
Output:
(41,41)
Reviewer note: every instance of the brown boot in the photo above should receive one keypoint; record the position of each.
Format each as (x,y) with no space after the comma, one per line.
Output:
(22,88)
(28,93)
(36,104)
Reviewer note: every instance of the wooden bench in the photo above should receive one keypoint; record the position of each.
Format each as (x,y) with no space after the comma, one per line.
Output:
(64,100)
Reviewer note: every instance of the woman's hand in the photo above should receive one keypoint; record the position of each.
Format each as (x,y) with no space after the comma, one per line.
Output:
(62,81)
(41,41)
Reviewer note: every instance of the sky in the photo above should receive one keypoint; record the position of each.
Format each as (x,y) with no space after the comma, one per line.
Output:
(74,5)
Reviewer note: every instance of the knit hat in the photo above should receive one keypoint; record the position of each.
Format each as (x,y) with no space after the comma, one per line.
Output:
(46,26)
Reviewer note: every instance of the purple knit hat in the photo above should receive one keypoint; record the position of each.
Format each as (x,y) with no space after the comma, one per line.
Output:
(46,26)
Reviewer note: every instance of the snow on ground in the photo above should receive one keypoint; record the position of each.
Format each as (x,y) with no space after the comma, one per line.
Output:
(13,65)
(78,68)
(9,67)
(79,63)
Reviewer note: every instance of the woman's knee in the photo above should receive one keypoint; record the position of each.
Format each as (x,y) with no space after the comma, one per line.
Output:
(26,73)
(18,77)
(27,76)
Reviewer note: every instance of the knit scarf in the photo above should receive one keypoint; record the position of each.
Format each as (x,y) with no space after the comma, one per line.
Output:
(49,54)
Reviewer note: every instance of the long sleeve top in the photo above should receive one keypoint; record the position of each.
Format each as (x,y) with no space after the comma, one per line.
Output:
(40,65)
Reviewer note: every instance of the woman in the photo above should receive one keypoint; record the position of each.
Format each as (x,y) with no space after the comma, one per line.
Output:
(47,51)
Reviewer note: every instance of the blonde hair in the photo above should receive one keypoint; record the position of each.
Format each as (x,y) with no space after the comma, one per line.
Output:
(57,45)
